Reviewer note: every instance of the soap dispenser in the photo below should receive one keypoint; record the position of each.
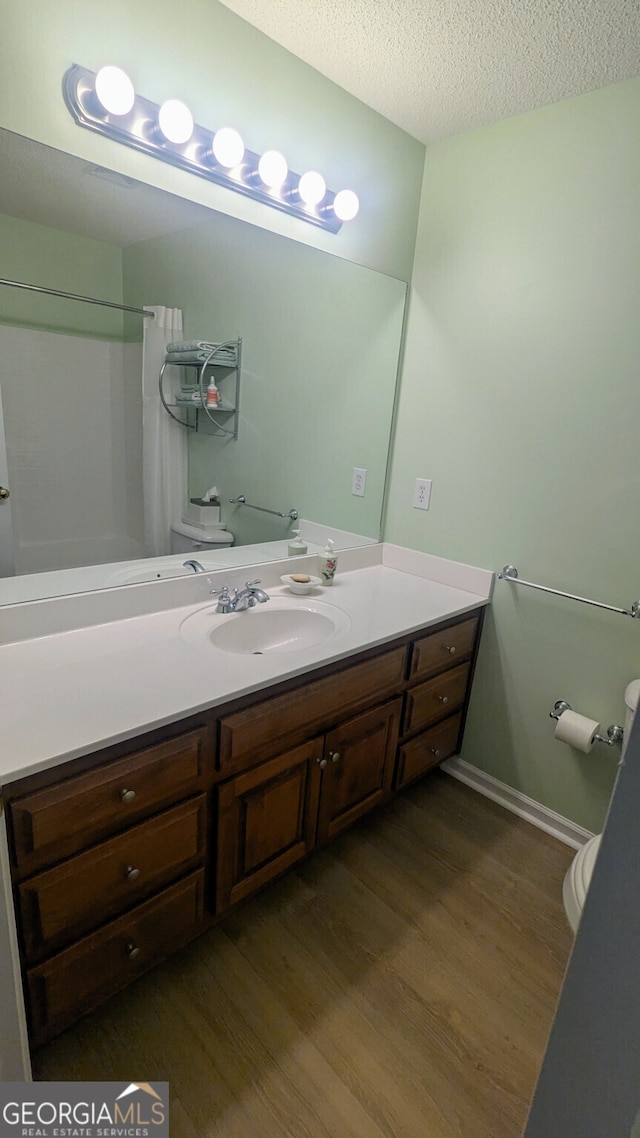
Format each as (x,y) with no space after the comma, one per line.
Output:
(297,545)
(328,563)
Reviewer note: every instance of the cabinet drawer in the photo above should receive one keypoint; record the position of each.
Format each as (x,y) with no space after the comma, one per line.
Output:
(439,650)
(429,702)
(249,736)
(61,819)
(427,750)
(78,979)
(60,904)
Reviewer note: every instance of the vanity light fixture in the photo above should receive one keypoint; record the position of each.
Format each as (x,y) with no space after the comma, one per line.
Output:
(106,102)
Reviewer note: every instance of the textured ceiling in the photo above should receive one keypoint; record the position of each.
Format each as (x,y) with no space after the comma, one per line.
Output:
(439,67)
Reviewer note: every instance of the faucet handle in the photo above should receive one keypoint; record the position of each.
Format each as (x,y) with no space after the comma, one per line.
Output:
(225,604)
(251,584)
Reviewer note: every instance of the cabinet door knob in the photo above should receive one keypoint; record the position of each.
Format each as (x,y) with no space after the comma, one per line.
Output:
(435,751)
(132,950)
(443,699)
(4,493)
(321,763)
(132,873)
(127,796)
(450,648)
(334,756)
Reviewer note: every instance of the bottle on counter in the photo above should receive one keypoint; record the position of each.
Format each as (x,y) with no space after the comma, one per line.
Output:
(328,563)
(297,545)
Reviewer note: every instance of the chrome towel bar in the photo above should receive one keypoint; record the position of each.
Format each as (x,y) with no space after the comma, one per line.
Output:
(242,501)
(510,573)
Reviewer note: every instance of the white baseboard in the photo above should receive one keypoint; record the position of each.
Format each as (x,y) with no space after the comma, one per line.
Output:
(561,828)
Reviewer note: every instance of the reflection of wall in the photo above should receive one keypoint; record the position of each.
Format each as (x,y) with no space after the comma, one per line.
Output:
(74,481)
(35,254)
(320,353)
(227,72)
(520,398)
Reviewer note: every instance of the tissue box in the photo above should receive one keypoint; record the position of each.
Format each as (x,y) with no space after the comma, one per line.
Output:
(201,514)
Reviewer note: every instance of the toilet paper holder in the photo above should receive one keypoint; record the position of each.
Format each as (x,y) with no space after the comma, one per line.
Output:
(615,733)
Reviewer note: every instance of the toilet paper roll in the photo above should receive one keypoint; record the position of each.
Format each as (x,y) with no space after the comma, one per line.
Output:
(576,730)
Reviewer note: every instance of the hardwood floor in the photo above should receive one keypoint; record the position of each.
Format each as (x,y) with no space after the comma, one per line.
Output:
(400,984)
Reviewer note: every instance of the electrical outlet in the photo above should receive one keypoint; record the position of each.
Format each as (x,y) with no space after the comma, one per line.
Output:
(358,482)
(422,494)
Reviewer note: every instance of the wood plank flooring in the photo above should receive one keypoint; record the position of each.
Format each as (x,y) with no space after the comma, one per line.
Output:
(400,984)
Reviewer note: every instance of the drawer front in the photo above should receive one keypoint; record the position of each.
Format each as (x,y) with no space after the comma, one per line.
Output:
(429,702)
(439,650)
(249,736)
(70,984)
(62,819)
(428,750)
(76,896)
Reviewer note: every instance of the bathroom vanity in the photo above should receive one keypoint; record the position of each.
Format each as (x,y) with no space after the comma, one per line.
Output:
(123,850)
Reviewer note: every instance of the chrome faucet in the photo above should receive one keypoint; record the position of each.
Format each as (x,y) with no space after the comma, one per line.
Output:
(195,565)
(240,600)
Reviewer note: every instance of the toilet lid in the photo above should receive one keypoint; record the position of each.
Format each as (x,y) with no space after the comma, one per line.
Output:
(214,535)
(584,863)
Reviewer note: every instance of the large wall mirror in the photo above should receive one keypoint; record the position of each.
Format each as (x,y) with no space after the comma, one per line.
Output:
(320,349)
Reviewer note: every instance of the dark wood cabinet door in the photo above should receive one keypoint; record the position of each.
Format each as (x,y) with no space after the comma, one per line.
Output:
(359,759)
(266,822)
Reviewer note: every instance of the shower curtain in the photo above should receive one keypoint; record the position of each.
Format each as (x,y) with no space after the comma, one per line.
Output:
(164,442)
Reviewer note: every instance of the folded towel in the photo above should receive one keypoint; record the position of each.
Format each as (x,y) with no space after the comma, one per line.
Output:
(194,346)
(199,355)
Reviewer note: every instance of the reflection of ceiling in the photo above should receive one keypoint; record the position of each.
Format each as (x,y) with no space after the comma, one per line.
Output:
(52,188)
(439,67)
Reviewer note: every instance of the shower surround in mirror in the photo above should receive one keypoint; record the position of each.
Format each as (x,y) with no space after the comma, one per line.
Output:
(72,415)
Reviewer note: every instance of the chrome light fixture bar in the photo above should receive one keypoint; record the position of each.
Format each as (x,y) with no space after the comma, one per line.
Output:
(136,122)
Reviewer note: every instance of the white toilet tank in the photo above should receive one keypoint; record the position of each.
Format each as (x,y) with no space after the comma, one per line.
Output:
(578,876)
(190,539)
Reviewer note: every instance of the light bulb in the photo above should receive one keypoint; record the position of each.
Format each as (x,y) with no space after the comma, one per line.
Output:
(175,121)
(115,90)
(312,187)
(346,205)
(228,147)
(273,169)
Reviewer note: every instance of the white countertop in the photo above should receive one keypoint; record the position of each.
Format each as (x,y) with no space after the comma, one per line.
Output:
(77,689)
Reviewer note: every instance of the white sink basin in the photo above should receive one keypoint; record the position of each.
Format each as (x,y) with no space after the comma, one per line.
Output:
(279,625)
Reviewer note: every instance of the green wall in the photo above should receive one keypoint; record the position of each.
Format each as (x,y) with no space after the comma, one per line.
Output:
(35,254)
(321,342)
(520,399)
(229,74)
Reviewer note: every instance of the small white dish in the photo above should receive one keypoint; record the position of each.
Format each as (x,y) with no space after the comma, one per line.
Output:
(300,587)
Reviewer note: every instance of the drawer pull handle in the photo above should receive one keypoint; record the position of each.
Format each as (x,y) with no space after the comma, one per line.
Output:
(132,950)
(334,756)
(127,796)
(450,648)
(132,873)
(435,751)
(321,763)
(443,699)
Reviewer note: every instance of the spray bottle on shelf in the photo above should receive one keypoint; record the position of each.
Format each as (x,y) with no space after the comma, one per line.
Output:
(213,396)
(328,563)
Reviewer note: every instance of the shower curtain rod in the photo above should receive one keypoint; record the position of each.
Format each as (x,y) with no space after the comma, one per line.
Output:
(75,296)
